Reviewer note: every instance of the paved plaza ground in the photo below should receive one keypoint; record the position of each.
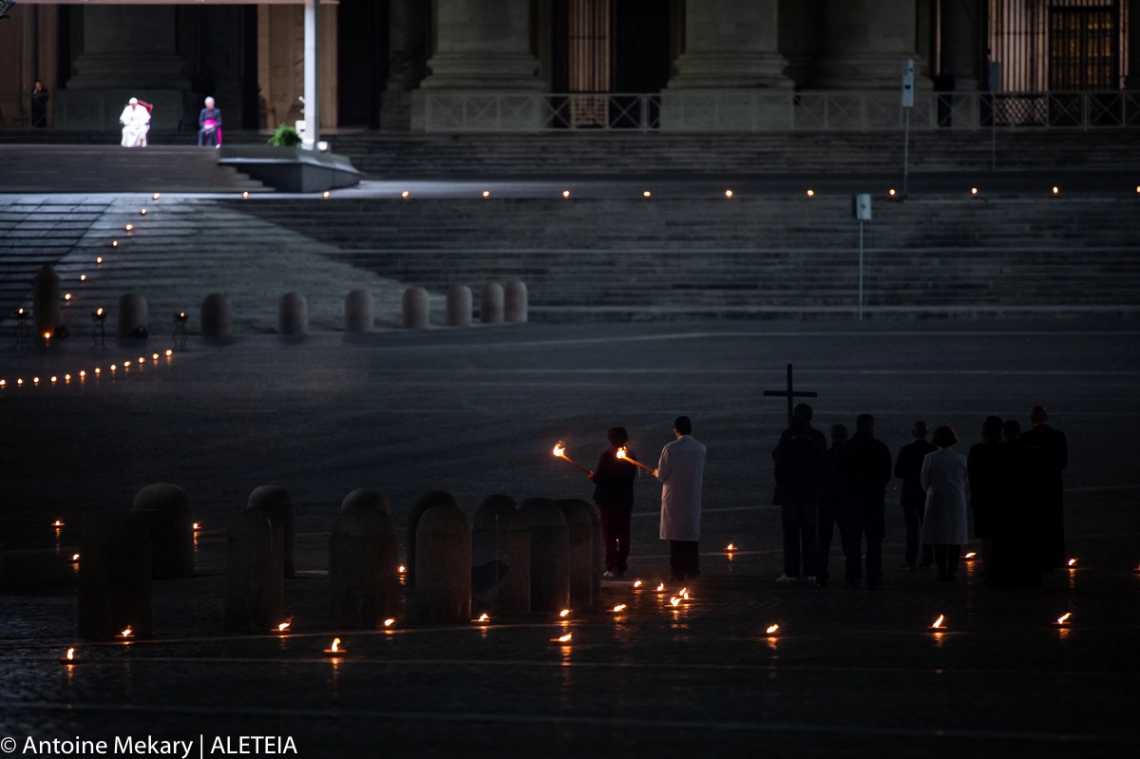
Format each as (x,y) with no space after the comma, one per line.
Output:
(475,412)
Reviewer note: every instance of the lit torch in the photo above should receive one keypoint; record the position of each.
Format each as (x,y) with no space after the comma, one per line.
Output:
(560,452)
(623,454)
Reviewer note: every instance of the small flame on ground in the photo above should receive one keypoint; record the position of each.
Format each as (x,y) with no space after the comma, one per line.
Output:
(564,613)
(389,622)
(970,555)
(772,629)
(128,632)
(285,625)
(730,547)
(57,523)
(938,622)
(728,193)
(637,583)
(661,588)
(197,526)
(619,607)
(401,569)
(1072,562)
(1064,618)
(75,557)
(565,638)
(646,194)
(811,193)
(335,648)
(70,655)
(483,618)
(565,193)
(404,194)
(675,601)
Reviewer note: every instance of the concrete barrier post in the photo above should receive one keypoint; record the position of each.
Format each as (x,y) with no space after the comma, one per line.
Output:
(217,316)
(170,522)
(443,565)
(491,303)
(549,555)
(516,308)
(364,587)
(417,308)
(115,576)
(293,314)
(359,311)
(255,581)
(134,320)
(459,306)
(500,556)
(280,505)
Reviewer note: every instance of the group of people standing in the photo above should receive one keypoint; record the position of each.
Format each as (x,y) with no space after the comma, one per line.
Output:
(135,120)
(1011,480)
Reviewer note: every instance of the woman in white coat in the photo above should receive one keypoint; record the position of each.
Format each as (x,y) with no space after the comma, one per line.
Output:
(945,481)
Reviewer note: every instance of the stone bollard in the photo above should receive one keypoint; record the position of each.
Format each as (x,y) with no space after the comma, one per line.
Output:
(293,314)
(364,586)
(459,306)
(491,303)
(280,506)
(549,555)
(500,555)
(580,533)
(417,308)
(170,521)
(114,576)
(217,316)
(359,311)
(133,318)
(443,565)
(599,553)
(419,506)
(47,310)
(516,302)
(255,582)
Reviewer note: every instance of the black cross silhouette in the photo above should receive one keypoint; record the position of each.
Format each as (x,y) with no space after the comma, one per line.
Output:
(789,394)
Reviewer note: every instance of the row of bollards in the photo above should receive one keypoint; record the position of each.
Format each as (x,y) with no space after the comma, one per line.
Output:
(498,305)
(542,557)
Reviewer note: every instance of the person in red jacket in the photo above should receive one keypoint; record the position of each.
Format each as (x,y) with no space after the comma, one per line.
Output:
(613,494)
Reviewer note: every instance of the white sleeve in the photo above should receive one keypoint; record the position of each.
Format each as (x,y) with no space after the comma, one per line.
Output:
(664,466)
(924,477)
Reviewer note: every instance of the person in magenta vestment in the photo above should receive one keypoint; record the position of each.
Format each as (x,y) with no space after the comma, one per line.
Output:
(210,125)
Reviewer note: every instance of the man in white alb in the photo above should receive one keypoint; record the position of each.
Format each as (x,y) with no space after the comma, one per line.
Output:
(681,469)
(136,123)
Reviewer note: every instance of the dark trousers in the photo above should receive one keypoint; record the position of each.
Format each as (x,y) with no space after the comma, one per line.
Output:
(799,537)
(864,521)
(825,526)
(683,559)
(913,513)
(208,137)
(946,558)
(615,535)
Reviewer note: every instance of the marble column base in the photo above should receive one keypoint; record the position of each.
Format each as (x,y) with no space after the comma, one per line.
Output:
(730,70)
(867,71)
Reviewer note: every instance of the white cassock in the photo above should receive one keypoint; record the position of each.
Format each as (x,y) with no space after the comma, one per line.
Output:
(944,478)
(682,469)
(136,123)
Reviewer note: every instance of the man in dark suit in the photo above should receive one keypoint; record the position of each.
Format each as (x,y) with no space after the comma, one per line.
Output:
(799,468)
(864,472)
(908,467)
(832,507)
(1052,456)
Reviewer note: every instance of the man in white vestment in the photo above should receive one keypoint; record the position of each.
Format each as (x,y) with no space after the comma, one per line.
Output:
(136,124)
(681,469)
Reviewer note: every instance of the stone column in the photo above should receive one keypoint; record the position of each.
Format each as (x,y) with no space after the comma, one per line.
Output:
(731,50)
(482,48)
(407,55)
(866,44)
(1133,80)
(128,51)
(959,43)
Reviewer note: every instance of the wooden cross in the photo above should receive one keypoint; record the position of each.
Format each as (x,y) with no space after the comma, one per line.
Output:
(790,394)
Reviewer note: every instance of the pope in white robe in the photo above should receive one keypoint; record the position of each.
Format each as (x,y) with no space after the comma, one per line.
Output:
(136,123)
(681,470)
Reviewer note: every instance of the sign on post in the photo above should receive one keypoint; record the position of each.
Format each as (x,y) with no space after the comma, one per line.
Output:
(861,209)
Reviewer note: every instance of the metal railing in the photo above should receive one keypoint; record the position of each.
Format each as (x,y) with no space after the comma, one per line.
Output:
(768,110)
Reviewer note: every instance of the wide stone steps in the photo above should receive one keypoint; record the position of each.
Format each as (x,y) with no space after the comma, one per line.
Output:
(102,169)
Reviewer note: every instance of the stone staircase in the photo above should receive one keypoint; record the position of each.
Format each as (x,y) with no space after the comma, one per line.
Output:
(101,168)
(614,154)
(629,259)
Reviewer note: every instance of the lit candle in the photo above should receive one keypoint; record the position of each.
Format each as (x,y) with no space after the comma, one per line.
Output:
(57,524)
(389,622)
(563,640)
(891,192)
(402,569)
(129,227)
(335,650)
(404,194)
(730,547)
(197,526)
(156,196)
(67,296)
(70,658)
(939,624)
(1063,620)
(486,193)
(728,193)
(483,618)
(564,613)
(660,588)
(3,383)
(560,452)
(970,556)
(1072,563)
(811,193)
(283,627)
(565,193)
(126,634)
(773,629)
(245,196)
(155,357)
(1056,189)
(142,212)
(973,190)
(169,353)
(53,379)
(619,608)
(82,373)
(637,583)
(326,195)
(623,454)
(647,194)
(74,558)
(82,277)
(98,370)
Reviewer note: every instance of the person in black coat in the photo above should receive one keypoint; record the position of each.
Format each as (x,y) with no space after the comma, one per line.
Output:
(39,105)
(799,468)
(801,411)
(864,472)
(908,467)
(984,467)
(831,508)
(613,494)
(1052,451)
(1016,543)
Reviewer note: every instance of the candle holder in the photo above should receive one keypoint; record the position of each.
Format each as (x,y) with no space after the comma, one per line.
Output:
(23,330)
(98,333)
(334,651)
(180,320)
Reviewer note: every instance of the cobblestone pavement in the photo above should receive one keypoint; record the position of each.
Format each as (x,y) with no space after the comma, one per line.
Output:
(849,673)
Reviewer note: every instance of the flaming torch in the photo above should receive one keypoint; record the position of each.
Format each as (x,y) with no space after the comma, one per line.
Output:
(623,454)
(560,452)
